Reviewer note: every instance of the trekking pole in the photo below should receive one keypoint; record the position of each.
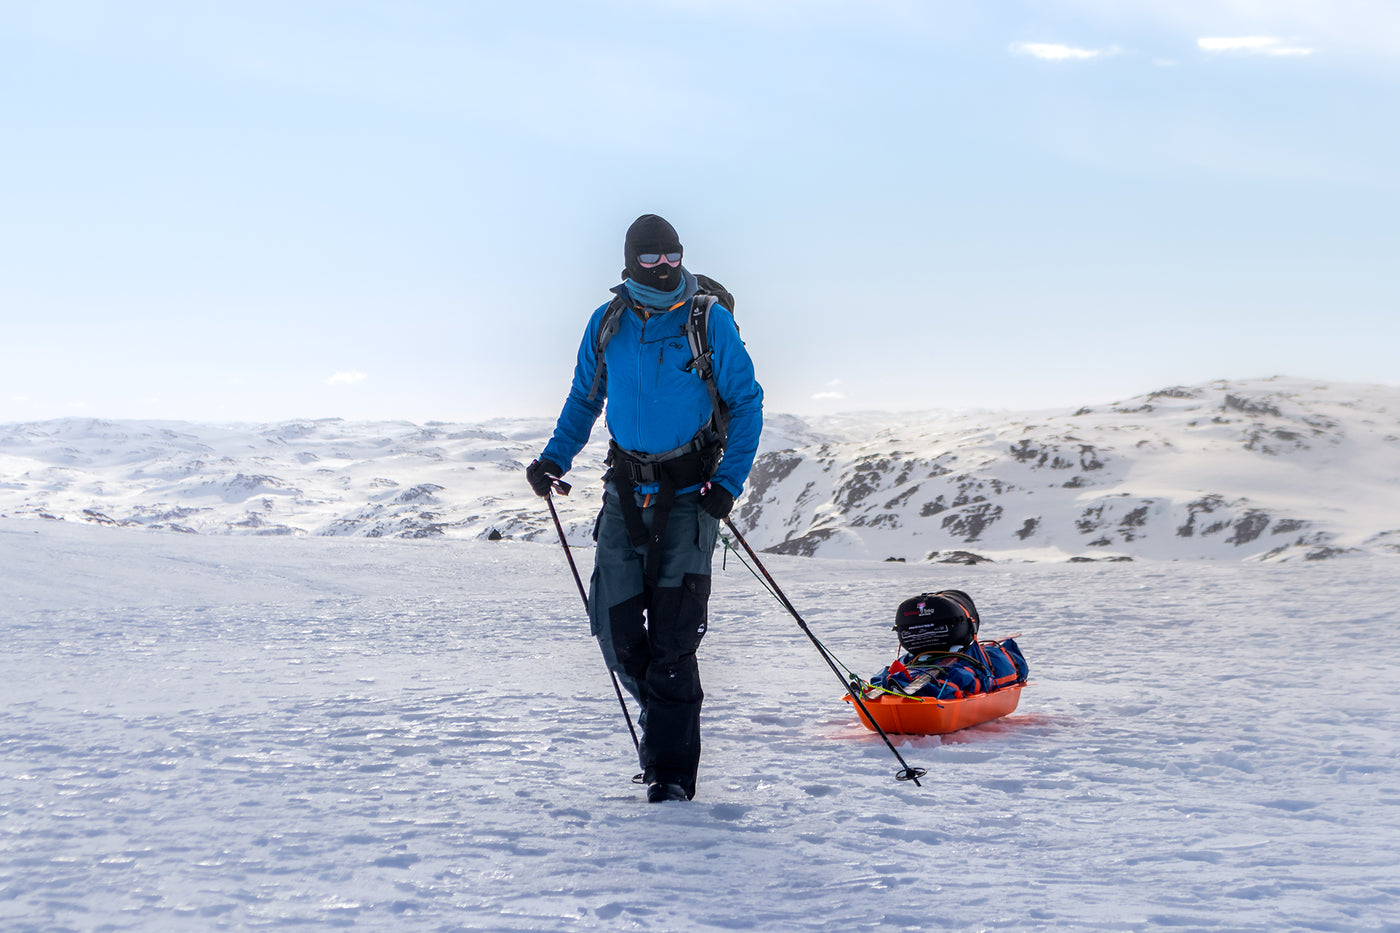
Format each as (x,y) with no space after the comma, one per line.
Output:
(906,773)
(564,488)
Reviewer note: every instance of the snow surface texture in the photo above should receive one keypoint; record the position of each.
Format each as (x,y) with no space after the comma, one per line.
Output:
(212,732)
(1271,469)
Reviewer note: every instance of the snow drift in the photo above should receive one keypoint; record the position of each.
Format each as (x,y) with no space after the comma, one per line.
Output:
(208,732)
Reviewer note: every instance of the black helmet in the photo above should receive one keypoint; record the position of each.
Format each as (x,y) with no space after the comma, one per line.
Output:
(939,621)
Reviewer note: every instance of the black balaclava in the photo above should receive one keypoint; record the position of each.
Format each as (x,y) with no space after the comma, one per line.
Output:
(652,234)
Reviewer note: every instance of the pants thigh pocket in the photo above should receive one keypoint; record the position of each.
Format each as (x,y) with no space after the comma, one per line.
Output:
(706,531)
(678,618)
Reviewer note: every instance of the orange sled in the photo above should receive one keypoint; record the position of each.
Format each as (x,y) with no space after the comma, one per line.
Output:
(927,716)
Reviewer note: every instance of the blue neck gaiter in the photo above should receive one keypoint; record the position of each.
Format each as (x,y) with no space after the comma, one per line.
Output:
(661,301)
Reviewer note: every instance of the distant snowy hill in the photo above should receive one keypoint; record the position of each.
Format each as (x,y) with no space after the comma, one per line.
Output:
(1272,469)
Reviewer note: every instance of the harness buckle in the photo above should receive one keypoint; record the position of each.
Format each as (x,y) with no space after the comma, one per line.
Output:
(642,472)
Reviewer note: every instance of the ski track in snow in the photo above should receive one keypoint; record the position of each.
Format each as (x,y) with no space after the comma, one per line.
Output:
(215,733)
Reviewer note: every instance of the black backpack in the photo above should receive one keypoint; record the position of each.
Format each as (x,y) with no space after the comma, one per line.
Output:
(937,621)
(697,332)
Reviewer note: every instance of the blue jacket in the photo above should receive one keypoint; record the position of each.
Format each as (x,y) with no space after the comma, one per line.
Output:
(654,403)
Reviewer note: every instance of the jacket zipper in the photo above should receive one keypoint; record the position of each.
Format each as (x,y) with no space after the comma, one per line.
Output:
(646,317)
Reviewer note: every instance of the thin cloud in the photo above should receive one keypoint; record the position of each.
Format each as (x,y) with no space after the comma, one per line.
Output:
(1257,45)
(1053,52)
(346,379)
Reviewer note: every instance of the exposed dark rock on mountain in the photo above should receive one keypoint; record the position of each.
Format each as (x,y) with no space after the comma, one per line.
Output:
(1274,469)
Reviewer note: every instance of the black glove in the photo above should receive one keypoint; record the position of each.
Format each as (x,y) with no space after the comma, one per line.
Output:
(717,500)
(541,475)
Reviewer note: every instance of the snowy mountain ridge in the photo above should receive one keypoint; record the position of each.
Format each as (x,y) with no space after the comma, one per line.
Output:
(1265,469)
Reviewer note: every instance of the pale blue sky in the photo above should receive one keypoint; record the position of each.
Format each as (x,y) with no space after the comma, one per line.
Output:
(267,210)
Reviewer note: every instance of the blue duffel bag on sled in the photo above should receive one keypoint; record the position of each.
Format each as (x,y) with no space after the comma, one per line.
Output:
(946,679)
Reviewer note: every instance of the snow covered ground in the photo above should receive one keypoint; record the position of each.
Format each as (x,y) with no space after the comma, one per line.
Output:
(211,732)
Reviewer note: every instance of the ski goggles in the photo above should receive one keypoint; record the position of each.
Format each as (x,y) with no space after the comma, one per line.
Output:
(647,260)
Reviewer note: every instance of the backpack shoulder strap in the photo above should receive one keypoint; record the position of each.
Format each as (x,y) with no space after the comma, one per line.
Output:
(607,329)
(697,332)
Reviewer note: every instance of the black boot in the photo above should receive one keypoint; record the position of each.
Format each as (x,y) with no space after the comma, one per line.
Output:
(660,793)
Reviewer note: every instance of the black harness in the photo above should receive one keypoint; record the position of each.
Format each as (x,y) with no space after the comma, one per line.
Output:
(691,464)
